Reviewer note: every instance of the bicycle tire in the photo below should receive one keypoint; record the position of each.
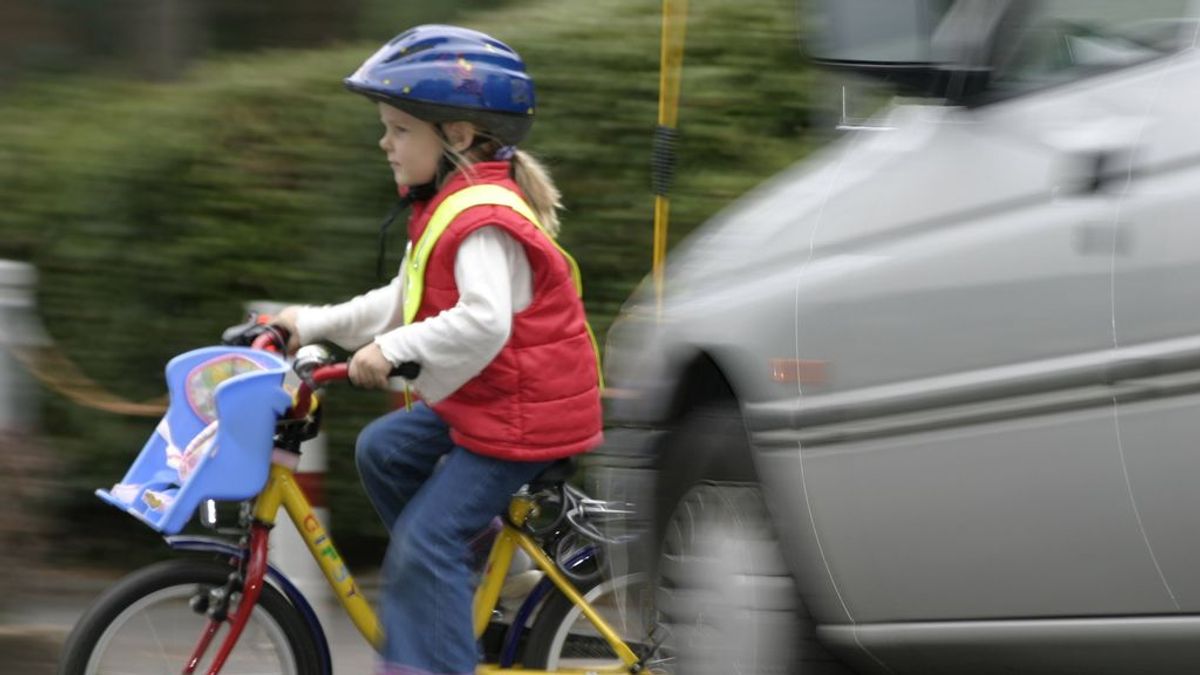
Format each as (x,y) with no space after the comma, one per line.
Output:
(181,577)
(547,646)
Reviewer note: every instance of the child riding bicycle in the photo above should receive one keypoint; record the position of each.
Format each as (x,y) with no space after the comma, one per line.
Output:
(489,306)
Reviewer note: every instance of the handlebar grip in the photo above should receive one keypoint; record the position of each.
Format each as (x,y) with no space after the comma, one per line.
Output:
(257,332)
(272,339)
(409,370)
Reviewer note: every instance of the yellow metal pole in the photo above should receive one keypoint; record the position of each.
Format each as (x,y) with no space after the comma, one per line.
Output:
(670,76)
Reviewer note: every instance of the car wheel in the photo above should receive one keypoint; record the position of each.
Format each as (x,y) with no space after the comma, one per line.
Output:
(725,597)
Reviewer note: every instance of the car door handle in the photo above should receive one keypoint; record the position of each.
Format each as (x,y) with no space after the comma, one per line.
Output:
(1095,155)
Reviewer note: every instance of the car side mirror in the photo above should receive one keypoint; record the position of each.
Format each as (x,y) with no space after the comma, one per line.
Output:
(932,48)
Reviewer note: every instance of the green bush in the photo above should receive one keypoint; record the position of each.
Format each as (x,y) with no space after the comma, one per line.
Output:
(154,211)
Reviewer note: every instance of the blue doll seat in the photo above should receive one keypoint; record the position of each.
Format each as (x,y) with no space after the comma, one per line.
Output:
(215,441)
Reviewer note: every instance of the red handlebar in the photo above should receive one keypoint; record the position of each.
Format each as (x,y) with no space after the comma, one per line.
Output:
(321,375)
(338,371)
(265,342)
(332,373)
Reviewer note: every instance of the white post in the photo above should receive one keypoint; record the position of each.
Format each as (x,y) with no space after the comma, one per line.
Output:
(288,550)
(18,404)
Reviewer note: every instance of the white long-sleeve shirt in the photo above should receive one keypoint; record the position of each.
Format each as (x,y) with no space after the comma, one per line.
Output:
(494,282)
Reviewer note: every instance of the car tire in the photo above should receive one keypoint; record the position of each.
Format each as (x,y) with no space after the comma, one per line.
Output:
(725,596)
(724,593)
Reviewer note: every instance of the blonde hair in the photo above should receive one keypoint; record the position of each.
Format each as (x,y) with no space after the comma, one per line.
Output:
(529,172)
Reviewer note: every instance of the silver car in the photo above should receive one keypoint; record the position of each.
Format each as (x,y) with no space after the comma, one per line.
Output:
(929,401)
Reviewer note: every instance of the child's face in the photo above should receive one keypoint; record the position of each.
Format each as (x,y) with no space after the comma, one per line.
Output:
(413,146)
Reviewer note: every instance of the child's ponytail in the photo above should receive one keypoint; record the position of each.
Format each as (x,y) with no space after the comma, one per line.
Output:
(543,195)
(530,174)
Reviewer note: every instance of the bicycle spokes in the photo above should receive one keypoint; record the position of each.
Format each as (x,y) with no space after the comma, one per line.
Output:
(202,646)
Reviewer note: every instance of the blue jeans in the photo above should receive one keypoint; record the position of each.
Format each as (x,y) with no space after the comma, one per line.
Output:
(428,580)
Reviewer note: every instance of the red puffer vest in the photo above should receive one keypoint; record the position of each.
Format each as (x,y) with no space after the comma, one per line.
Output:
(539,399)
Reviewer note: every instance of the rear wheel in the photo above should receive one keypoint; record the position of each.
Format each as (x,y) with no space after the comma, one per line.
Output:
(146,624)
(561,637)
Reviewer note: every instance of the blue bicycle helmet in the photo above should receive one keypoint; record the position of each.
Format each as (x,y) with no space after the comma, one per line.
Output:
(445,73)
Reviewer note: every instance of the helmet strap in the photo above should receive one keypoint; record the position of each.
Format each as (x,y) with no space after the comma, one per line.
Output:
(415,193)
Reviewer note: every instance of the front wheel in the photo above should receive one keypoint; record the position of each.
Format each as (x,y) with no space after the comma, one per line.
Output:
(725,596)
(146,624)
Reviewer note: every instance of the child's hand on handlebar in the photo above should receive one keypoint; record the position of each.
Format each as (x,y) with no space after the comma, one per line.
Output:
(286,319)
(369,368)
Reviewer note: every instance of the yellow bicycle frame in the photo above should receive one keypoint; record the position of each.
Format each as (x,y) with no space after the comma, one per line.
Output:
(281,490)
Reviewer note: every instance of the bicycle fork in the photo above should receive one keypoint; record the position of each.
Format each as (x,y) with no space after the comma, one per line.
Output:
(251,587)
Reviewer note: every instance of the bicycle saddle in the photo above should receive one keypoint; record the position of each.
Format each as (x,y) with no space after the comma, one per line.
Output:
(558,472)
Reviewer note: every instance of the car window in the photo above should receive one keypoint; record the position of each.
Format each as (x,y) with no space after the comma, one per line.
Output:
(1066,40)
(874,31)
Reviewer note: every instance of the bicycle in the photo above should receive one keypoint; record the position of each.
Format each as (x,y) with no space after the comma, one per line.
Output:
(243,432)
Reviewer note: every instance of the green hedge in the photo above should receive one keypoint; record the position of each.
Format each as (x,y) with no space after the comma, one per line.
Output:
(154,211)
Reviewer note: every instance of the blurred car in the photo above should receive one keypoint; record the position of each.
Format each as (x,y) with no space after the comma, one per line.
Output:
(929,401)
